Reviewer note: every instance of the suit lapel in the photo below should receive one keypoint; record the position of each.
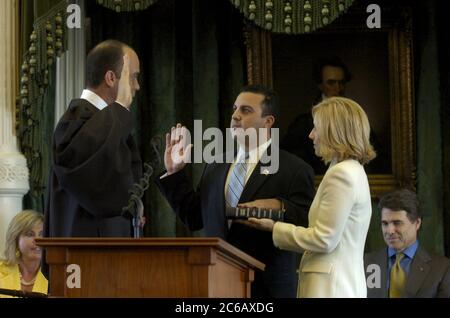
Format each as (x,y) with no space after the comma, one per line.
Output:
(384,272)
(222,173)
(418,271)
(256,180)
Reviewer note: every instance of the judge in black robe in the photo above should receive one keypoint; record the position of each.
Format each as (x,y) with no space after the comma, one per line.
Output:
(95,160)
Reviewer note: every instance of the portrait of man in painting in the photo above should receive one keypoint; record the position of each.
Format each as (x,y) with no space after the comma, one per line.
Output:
(302,71)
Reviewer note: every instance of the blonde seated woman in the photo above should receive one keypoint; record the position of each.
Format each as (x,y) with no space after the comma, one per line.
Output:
(20,269)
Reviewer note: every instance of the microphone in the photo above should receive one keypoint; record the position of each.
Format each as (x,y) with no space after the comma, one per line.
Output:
(258,213)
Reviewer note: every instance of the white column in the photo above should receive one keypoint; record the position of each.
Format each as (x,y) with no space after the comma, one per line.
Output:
(13,168)
(70,67)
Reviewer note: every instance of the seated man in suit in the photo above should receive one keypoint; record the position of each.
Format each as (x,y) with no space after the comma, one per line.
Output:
(406,269)
(243,182)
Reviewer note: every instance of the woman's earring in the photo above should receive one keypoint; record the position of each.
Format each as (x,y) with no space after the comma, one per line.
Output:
(18,254)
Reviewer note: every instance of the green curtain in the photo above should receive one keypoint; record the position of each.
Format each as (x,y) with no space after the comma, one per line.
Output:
(292,16)
(192,64)
(30,11)
(41,39)
(126,5)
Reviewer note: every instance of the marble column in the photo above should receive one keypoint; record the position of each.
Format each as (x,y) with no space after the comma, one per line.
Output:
(13,168)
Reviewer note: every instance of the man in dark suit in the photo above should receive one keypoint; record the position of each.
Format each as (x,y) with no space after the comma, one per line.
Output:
(404,269)
(247,183)
(95,159)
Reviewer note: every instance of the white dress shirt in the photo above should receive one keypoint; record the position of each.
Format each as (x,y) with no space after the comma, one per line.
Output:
(94,99)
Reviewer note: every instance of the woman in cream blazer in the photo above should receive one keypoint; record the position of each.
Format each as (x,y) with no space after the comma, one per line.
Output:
(333,244)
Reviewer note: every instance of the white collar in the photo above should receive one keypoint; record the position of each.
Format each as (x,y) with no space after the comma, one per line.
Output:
(255,154)
(94,99)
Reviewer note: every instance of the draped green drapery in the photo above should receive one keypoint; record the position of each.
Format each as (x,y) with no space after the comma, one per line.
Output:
(126,5)
(280,16)
(292,16)
(42,39)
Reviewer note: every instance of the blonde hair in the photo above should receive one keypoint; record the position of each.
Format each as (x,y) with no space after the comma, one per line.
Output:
(343,130)
(24,221)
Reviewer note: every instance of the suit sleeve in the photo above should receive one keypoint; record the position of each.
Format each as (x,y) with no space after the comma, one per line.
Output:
(444,286)
(93,160)
(184,200)
(338,195)
(300,196)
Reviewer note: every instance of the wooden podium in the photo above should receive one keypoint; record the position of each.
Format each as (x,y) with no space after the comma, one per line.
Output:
(149,267)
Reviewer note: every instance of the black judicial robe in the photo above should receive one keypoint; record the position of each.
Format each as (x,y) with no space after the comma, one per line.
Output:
(95,162)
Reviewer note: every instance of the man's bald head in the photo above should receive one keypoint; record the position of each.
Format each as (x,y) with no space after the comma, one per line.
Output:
(104,57)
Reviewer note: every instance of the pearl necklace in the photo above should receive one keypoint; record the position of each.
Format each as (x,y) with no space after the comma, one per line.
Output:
(25,283)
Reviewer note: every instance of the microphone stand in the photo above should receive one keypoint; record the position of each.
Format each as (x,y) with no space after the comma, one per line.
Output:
(135,207)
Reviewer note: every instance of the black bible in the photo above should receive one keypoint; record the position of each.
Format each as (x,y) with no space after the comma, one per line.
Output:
(258,213)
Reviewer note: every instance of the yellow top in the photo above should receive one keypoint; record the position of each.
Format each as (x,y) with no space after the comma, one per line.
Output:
(10,279)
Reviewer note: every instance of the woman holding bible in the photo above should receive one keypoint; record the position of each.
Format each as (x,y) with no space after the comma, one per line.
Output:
(333,244)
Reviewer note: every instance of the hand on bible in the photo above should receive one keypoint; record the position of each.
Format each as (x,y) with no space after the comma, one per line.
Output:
(261,224)
(124,95)
(178,152)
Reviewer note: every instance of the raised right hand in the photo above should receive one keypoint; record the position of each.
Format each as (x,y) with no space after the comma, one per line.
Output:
(124,95)
(178,152)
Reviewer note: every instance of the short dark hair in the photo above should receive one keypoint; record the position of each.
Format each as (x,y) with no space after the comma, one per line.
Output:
(402,199)
(330,61)
(105,56)
(270,103)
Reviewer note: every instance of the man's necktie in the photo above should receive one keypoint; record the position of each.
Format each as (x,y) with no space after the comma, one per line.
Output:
(398,278)
(236,184)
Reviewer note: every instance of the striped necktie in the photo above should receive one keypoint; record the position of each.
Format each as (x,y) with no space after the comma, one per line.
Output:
(237,183)
(398,278)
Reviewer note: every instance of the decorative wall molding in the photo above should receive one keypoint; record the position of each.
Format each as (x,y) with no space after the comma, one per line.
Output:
(13,173)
